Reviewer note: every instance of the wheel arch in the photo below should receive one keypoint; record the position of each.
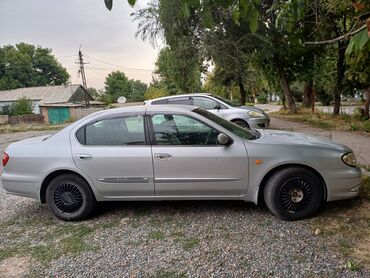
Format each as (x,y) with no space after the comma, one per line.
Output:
(272,171)
(239,119)
(53,175)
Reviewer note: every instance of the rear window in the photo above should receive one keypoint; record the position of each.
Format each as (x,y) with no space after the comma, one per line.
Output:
(161,101)
(113,132)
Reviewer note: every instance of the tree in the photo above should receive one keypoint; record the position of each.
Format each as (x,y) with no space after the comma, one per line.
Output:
(178,70)
(154,92)
(23,106)
(359,71)
(116,85)
(138,90)
(25,65)
(179,64)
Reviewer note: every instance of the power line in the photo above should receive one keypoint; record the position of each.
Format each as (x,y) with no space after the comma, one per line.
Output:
(66,56)
(119,66)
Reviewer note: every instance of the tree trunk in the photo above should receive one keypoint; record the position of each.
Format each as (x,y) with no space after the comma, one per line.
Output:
(340,77)
(286,88)
(242,93)
(308,94)
(367,103)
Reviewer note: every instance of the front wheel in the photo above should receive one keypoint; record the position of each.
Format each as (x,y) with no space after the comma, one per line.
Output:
(293,193)
(69,197)
(241,123)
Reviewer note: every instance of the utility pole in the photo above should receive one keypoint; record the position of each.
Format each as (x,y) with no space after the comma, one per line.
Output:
(81,72)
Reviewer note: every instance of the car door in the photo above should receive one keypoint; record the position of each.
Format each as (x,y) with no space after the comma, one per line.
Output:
(114,153)
(210,105)
(188,161)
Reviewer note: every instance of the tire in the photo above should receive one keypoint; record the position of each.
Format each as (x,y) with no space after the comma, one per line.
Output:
(69,197)
(241,123)
(294,193)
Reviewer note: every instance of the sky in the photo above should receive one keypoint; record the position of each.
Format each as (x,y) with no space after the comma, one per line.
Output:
(65,25)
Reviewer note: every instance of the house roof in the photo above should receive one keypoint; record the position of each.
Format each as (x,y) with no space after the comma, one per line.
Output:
(46,94)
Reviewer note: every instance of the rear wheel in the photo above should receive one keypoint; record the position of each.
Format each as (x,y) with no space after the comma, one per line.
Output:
(69,197)
(241,123)
(293,193)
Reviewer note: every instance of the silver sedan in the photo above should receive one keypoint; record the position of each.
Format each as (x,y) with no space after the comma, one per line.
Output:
(177,153)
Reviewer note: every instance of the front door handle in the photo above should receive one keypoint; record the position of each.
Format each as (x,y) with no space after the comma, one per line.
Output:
(163,156)
(84,156)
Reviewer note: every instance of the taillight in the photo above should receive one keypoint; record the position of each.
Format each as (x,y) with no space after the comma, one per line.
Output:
(5,159)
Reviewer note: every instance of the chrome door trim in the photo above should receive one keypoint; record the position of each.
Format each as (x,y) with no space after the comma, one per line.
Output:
(125,180)
(179,180)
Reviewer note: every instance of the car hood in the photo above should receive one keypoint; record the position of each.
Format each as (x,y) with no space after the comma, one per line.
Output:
(299,139)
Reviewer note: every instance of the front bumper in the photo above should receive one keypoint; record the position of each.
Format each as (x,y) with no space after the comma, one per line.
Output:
(259,122)
(342,183)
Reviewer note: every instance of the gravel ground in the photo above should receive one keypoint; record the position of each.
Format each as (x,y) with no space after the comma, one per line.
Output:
(162,239)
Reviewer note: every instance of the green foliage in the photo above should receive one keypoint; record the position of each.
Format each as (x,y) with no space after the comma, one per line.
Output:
(359,42)
(154,92)
(117,84)
(25,65)
(23,106)
(358,69)
(262,98)
(179,70)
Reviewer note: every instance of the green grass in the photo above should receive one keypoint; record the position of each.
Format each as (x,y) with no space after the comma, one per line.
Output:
(156,235)
(23,128)
(53,237)
(163,273)
(349,221)
(190,243)
(326,120)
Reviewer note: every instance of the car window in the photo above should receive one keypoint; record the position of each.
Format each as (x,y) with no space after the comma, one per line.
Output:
(237,130)
(113,132)
(205,103)
(182,130)
(229,102)
(161,101)
(182,101)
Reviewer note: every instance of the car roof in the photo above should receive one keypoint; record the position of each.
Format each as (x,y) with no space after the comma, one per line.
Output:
(149,108)
(176,96)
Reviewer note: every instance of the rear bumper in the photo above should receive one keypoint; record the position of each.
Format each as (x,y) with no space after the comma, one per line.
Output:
(21,184)
(342,183)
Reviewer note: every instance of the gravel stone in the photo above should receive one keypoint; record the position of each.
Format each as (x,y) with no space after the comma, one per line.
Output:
(183,239)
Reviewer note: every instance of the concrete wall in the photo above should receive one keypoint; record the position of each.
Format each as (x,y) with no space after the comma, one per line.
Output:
(80,112)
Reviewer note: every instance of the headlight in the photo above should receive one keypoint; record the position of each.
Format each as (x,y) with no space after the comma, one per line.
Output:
(254,114)
(349,159)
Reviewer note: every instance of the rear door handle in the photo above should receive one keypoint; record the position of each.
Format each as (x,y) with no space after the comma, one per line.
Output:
(163,156)
(84,156)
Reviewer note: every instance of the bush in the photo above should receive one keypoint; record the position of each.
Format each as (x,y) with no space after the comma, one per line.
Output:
(324,97)
(262,98)
(367,126)
(154,92)
(22,106)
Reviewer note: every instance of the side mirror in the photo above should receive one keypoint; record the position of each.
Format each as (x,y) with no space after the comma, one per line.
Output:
(223,139)
(217,106)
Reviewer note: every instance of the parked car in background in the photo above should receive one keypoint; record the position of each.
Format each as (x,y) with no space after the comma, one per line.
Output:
(164,152)
(244,116)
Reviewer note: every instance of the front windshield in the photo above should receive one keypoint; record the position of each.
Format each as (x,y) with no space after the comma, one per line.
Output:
(237,130)
(228,102)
